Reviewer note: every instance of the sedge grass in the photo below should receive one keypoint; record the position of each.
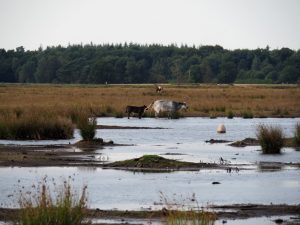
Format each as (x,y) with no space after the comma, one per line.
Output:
(271,139)
(190,217)
(177,212)
(42,208)
(87,127)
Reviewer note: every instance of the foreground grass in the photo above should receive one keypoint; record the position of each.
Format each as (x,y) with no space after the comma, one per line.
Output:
(41,208)
(204,100)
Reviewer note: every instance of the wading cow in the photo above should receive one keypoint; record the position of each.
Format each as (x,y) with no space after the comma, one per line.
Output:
(135,109)
(167,106)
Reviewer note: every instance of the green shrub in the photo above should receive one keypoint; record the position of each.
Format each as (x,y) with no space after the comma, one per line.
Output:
(41,208)
(270,138)
(87,127)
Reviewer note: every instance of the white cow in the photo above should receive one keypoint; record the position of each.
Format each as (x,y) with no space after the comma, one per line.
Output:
(162,106)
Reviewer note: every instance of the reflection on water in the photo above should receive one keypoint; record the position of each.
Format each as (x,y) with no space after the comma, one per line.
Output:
(270,166)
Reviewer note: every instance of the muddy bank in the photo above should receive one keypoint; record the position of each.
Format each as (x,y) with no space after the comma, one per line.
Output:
(125,127)
(230,212)
(288,142)
(245,142)
(81,153)
(85,154)
(216,141)
(68,156)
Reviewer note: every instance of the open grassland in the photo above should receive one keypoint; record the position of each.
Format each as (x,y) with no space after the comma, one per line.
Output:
(111,100)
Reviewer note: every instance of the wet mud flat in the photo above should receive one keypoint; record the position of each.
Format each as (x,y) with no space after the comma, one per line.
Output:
(78,154)
(224,214)
(63,155)
(83,154)
(128,127)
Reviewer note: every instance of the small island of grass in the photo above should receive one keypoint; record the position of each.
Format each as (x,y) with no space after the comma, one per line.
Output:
(155,162)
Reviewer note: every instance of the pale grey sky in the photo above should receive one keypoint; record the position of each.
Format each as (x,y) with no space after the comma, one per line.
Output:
(230,23)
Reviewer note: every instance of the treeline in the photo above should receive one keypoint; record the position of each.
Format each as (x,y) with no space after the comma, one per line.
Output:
(133,63)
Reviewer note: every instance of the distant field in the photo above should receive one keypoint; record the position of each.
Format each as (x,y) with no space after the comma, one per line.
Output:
(111,100)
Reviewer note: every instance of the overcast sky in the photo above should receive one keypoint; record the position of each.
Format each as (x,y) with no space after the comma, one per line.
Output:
(230,23)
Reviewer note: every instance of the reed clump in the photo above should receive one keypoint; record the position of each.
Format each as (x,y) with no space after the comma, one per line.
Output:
(35,126)
(190,217)
(176,212)
(42,208)
(271,139)
(87,127)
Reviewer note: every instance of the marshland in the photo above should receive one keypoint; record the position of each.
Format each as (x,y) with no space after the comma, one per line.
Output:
(81,133)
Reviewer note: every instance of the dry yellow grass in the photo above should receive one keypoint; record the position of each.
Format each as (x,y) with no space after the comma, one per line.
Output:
(204,100)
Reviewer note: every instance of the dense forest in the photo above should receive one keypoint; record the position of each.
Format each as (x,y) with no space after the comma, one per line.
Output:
(133,63)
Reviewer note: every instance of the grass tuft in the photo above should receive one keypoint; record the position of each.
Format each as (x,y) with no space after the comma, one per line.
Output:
(270,138)
(41,208)
(190,217)
(177,212)
(87,127)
